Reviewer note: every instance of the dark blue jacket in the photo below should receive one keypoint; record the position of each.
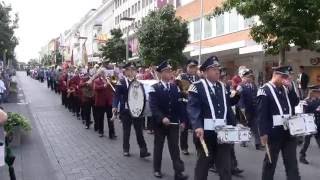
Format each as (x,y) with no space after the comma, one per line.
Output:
(165,103)
(267,107)
(121,94)
(198,106)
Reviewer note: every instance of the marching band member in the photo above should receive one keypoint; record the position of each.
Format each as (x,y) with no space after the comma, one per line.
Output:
(276,99)
(103,94)
(191,77)
(121,97)
(313,107)
(73,87)
(247,103)
(166,111)
(63,87)
(208,107)
(86,99)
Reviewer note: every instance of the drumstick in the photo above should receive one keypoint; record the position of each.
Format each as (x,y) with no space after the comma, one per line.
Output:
(268,153)
(204,146)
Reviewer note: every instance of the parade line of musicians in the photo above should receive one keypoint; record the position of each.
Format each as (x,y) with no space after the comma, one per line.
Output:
(239,101)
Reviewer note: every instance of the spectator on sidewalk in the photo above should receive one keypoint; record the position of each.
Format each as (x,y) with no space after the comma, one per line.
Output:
(303,81)
(2,90)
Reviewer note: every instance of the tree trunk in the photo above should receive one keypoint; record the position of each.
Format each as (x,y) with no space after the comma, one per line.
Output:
(282,56)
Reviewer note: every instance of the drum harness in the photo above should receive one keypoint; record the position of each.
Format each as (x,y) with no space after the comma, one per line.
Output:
(282,119)
(216,122)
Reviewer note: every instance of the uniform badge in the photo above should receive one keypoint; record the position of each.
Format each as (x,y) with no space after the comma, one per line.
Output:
(192,88)
(261,92)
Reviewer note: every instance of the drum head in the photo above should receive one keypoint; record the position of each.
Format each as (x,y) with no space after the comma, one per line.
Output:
(136,99)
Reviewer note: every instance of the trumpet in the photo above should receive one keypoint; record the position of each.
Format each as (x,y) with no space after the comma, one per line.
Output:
(110,82)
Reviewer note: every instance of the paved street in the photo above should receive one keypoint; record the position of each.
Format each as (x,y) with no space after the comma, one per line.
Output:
(72,152)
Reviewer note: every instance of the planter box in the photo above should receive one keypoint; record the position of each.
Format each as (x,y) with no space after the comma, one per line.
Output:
(16,137)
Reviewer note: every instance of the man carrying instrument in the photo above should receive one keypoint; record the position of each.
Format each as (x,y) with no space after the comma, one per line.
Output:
(121,97)
(166,111)
(209,107)
(313,107)
(103,93)
(189,77)
(276,100)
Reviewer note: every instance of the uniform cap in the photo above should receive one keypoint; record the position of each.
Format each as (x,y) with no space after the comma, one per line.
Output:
(163,66)
(192,62)
(129,65)
(284,70)
(212,61)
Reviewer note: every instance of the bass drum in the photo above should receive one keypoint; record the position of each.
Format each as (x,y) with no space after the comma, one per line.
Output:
(138,97)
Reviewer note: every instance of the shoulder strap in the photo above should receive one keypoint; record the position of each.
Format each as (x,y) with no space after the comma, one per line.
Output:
(209,98)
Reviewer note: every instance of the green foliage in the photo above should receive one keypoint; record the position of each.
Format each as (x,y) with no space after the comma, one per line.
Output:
(46,60)
(283,22)
(162,36)
(115,47)
(8,40)
(16,120)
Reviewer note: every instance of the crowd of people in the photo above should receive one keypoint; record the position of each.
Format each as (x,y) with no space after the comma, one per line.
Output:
(211,99)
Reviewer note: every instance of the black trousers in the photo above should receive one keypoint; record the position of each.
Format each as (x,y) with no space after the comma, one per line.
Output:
(48,82)
(51,84)
(75,105)
(306,143)
(220,153)
(86,112)
(287,146)
(172,135)
(64,98)
(127,122)
(99,120)
(184,139)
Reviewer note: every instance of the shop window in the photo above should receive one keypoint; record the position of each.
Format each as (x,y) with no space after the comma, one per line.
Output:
(139,5)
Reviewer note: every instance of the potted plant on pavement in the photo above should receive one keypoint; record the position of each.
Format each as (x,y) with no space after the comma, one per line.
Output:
(15,124)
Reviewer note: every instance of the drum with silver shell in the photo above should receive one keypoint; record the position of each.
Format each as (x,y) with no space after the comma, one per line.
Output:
(138,97)
(232,134)
(302,125)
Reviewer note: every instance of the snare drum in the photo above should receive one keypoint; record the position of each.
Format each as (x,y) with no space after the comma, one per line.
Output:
(302,125)
(138,97)
(232,134)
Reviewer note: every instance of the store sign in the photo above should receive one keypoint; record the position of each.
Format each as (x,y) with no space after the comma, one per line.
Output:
(315,61)
(101,38)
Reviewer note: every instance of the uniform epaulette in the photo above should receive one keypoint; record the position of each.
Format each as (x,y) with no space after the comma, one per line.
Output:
(261,92)
(193,88)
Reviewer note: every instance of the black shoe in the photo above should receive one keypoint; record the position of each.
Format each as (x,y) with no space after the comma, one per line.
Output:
(101,135)
(157,174)
(180,176)
(144,154)
(259,147)
(126,154)
(303,160)
(113,137)
(236,171)
(185,152)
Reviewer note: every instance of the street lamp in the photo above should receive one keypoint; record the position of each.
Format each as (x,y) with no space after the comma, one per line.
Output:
(200,42)
(127,39)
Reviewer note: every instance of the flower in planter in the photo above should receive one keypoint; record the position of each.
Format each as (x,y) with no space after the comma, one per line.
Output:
(16,120)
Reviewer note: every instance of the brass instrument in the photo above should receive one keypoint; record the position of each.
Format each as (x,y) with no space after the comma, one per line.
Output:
(183,85)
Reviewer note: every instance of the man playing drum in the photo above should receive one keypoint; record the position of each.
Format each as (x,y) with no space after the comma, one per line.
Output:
(275,103)
(209,107)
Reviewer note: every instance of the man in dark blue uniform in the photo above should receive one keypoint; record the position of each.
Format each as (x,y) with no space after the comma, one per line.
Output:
(248,102)
(208,107)
(190,76)
(275,103)
(166,112)
(121,97)
(312,107)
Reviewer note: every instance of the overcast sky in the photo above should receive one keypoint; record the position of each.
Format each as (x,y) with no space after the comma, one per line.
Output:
(42,20)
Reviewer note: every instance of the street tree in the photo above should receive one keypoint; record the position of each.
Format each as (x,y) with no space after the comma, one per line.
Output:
(8,40)
(162,36)
(282,23)
(115,47)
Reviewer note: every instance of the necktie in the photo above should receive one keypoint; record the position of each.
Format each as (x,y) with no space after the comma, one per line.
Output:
(168,86)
